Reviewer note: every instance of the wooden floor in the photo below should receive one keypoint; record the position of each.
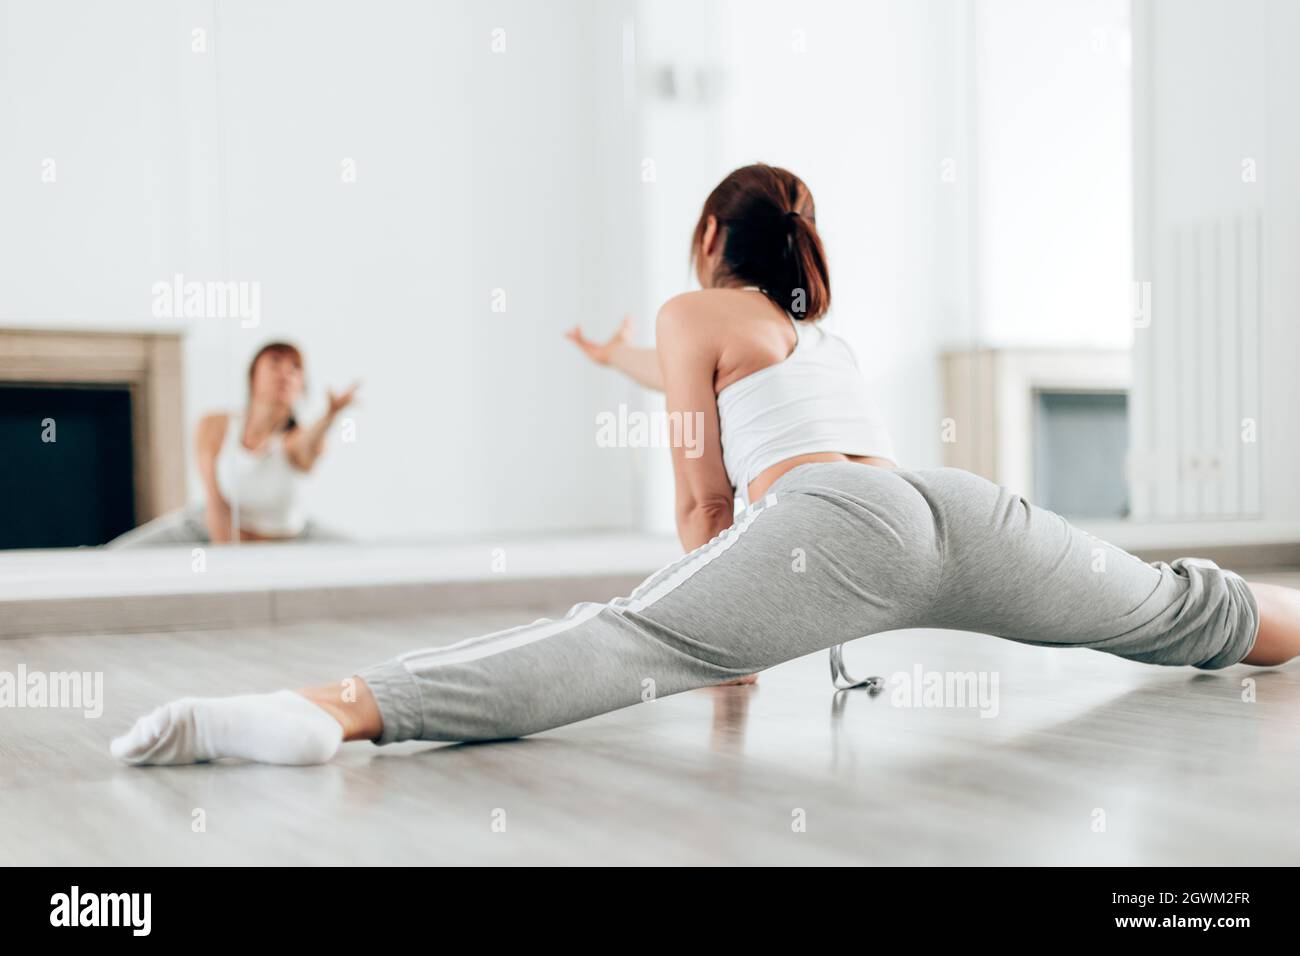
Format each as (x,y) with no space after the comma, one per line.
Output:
(1175,764)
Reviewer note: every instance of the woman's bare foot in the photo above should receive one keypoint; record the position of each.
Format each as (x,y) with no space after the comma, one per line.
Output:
(1279,625)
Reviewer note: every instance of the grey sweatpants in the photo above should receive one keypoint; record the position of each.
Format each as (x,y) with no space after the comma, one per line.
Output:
(188,525)
(834,552)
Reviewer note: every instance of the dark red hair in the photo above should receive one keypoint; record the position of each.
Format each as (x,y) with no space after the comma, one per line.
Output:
(768,228)
(277,348)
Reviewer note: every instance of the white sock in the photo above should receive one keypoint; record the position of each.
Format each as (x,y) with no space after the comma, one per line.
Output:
(283,727)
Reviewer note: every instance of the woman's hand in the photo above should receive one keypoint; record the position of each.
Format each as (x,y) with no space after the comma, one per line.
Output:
(341,400)
(602,353)
(637,363)
(305,445)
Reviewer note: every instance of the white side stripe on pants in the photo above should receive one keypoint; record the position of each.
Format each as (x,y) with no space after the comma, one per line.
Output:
(655,587)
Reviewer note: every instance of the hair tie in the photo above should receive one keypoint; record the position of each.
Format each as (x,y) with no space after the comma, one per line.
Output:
(790,216)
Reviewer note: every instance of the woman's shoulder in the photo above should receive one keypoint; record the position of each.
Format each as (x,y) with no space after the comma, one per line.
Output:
(697,301)
(700,313)
(212,426)
(686,319)
(705,300)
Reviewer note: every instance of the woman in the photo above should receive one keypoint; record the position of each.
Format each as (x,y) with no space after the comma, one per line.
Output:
(835,543)
(801,375)
(251,464)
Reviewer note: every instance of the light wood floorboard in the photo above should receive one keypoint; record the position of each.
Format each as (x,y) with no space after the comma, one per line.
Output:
(1185,771)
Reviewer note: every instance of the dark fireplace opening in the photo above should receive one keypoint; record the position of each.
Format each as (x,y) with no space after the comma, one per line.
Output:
(67,473)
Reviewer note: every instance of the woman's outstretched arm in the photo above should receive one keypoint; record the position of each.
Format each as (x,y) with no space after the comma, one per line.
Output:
(636,362)
(305,445)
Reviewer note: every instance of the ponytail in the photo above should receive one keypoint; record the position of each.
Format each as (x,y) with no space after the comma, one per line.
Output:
(769,234)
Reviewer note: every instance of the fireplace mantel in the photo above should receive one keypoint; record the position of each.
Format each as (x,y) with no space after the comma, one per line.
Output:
(148,363)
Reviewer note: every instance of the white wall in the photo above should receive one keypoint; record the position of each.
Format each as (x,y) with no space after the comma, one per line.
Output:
(1051,116)
(475,171)
(678,69)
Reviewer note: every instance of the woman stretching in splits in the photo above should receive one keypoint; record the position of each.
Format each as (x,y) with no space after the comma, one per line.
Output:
(786,427)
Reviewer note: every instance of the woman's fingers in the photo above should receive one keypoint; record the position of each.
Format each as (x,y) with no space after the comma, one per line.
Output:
(341,400)
(593,350)
(599,351)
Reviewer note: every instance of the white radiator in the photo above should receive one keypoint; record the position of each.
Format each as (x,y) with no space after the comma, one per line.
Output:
(1195,400)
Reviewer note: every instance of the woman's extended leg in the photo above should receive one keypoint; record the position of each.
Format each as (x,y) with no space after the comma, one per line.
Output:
(817,563)
(1015,570)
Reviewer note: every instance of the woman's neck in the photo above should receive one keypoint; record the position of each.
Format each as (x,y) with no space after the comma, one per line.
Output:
(262,420)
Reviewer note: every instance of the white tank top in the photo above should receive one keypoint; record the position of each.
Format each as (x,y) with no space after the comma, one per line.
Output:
(816,400)
(263,485)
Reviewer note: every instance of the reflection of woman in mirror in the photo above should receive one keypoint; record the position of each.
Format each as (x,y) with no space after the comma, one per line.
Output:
(836,542)
(252,464)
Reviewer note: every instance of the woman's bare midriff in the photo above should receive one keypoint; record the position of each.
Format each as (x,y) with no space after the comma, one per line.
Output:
(246,535)
(767,478)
